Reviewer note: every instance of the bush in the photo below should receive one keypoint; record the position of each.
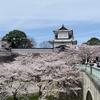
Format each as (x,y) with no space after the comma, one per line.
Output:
(50,97)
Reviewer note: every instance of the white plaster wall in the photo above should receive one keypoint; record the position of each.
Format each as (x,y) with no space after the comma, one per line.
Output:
(58,44)
(35,50)
(5,53)
(63,35)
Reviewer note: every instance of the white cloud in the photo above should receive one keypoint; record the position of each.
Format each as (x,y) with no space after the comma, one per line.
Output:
(89,33)
(84,37)
(36,13)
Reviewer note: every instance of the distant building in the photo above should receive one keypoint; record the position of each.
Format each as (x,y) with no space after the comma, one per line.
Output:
(63,36)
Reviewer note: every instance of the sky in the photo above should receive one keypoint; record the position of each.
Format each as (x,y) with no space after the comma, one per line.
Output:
(38,18)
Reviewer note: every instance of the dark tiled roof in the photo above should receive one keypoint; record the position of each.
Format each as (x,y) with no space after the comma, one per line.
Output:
(63,28)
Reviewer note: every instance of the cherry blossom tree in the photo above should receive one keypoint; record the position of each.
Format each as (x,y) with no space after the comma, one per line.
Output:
(5,45)
(11,83)
(3,90)
(85,51)
(52,73)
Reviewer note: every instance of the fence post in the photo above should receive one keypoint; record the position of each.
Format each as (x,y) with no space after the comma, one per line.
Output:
(91,68)
(85,67)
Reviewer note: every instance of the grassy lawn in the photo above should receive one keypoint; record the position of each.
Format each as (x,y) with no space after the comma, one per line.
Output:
(33,97)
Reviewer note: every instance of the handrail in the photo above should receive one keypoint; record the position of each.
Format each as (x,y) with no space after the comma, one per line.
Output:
(95,71)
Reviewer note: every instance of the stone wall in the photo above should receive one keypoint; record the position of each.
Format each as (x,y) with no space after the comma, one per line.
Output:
(91,85)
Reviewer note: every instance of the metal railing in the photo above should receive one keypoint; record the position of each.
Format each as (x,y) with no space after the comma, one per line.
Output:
(95,71)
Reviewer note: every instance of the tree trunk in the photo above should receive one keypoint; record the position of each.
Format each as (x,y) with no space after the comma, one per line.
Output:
(14,96)
(40,94)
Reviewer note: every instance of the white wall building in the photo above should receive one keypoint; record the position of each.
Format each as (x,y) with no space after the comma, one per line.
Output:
(63,36)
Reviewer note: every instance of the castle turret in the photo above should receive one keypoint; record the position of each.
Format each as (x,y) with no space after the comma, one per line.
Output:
(63,36)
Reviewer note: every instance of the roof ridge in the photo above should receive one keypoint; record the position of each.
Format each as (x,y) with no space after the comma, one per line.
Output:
(63,27)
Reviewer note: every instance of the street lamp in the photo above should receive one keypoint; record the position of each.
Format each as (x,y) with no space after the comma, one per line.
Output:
(85,61)
(85,58)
